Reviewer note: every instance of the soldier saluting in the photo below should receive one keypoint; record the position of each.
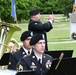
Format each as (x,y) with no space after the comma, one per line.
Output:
(37,26)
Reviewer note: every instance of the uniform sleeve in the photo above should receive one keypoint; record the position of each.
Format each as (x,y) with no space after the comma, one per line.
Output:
(22,65)
(12,62)
(38,26)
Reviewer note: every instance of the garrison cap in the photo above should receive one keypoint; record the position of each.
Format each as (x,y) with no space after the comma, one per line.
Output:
(36,38)
(34,12)
(25,35)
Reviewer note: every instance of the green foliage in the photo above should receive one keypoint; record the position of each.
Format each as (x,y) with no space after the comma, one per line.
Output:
(49,6)
(66,6)
(24,6)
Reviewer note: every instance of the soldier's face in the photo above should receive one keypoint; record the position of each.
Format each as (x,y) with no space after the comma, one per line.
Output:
(26,43)
(36,17)
(39,46)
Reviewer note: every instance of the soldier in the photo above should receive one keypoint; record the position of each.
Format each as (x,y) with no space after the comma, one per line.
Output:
(37,61)
(36,25)
(25,50)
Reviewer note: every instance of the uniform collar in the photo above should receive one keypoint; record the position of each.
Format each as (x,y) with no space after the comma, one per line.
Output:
(38,57)
(27,50)
(32,19)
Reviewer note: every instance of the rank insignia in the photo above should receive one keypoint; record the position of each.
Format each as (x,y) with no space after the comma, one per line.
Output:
(33,66)
(20,67)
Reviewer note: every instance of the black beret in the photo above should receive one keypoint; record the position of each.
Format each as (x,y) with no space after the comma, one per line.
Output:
(34,12)
(36,38)
(25,35)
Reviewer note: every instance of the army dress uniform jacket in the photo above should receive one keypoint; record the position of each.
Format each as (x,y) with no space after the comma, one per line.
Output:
(30,62)
(15,57)
(38,27)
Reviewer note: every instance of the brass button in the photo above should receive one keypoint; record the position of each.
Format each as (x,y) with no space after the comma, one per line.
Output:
(9,63)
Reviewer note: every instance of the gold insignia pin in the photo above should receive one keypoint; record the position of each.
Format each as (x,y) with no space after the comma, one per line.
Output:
(33,56)
(23,53)
(9,63)
(33,63)
(20,67)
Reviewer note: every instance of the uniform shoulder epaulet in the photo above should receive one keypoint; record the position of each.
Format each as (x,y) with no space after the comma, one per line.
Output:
(26,56)
(46,54)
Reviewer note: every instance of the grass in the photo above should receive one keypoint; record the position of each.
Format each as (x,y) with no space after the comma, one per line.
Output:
(60,33)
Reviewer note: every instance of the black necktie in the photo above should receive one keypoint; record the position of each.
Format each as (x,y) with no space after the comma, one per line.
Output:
(28,52)
(39,61)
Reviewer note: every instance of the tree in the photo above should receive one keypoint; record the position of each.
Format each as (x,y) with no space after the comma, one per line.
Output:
(5,9)
(22,9)
(66,6)
(24,6)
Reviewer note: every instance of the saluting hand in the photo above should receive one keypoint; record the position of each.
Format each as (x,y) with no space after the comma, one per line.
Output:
(51,17)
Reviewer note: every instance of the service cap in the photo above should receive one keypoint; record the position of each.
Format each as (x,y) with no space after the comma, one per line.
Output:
(25,35)
(34,12)
(36,38)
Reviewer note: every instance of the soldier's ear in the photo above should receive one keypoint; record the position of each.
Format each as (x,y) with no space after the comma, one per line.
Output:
(33,46)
